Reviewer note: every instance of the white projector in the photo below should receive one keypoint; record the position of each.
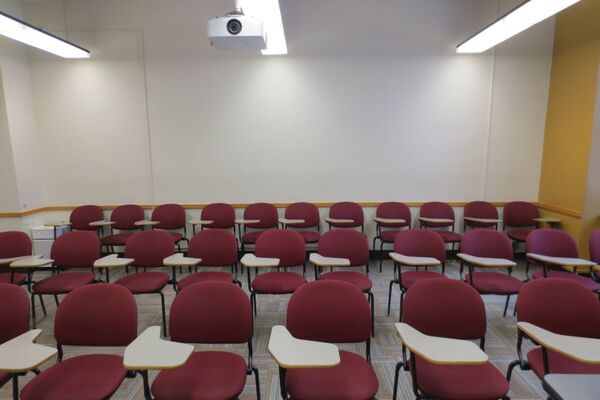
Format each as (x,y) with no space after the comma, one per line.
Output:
(237,32)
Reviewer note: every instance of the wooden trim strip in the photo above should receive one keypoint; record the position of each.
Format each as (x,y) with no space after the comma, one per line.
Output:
(561,210)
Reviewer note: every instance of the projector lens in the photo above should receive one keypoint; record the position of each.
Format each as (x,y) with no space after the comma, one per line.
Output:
(234,26)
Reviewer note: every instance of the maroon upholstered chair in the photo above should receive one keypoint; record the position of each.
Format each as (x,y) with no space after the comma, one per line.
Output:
(480,210)
(390,210)
(216,248)
(334,312)
(290,249)
(520,215)
(222,215)
(149,249)
(415,243)
(13,244)
(490,244)
(595,246)
(556,243)
(95,315)
(171,217)
(442,211)
(310,214)
(267,216)
(353,246)
(209,313)
(14,321)
(72,250)
(449,309)
(349,211)
(82,216)
(124,218)
(562,307)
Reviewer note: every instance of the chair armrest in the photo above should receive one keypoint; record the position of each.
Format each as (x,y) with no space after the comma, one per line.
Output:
(200,222)
(437,220)
(414,261)
(7,261)
(562,261)
(322,261)
(550,220)
(486,261)
(290,352)
(31,262)
(389,220)
(438,350)
(178,260)
(112,261)
(146,222)
(249,260)
(582,349)
(483,220)
(56,224)
(288,221)
(150,352)
(247,221)
(21,354)
(339,220)
(102,223)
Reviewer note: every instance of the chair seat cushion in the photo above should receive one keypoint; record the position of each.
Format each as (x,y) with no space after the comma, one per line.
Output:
(207,375)
(62,283)
(118,239)
(357,278)
(465,382)
(310,236)
(352,379)
(389,235)
(558,364)
(89,377)
(18,278)
(177,236)
(279,282)
(588,283)
(519,235)
(449,236)
(144,282)
(250,237)
(410,277)
(494,283)
(203,277)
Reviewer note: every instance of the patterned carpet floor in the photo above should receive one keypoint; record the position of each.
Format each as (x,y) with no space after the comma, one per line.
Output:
(500,340)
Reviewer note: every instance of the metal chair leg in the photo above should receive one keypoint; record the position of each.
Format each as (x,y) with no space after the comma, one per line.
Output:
(390,296)
(396,378)
(164,313)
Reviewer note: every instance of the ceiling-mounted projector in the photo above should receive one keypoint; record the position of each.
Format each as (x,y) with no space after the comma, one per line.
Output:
(236,31)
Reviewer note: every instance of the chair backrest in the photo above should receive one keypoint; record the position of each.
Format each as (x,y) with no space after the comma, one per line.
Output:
(125,216)
(552,242)
(329,311)
(394,209)
(14,244)
(420,243)
(520,214)
(216,247)
(14,311)
(595,246)
(82,216)
(306,211)
(560,306)
(76,249)
(222,215)
(211,312)
(480,209)
(486,243)
(103,314)
(149,248)
(437,209)
(445,308)
(266,213)
(345,243)
(288,246)
(170,216)
(348,210)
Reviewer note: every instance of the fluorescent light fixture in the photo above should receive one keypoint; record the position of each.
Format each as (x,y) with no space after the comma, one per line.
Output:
(269,13)
(524,16)
(21,31)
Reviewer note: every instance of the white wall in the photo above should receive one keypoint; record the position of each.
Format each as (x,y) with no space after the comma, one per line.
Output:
(371,104)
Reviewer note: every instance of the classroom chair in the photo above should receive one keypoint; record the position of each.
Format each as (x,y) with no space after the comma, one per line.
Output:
(123,218)
(520,215)
(95,315)
(149,249)
(82,216)
(486,249)
(480,214)
(259,217)
(216,216)
(346,214)
(392,216)
(438,216)
(447,314)
(171,217)
(209,313)
(332,312)
(562,319)
(309,214)
(13,245)
(415,248)
(594,243)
